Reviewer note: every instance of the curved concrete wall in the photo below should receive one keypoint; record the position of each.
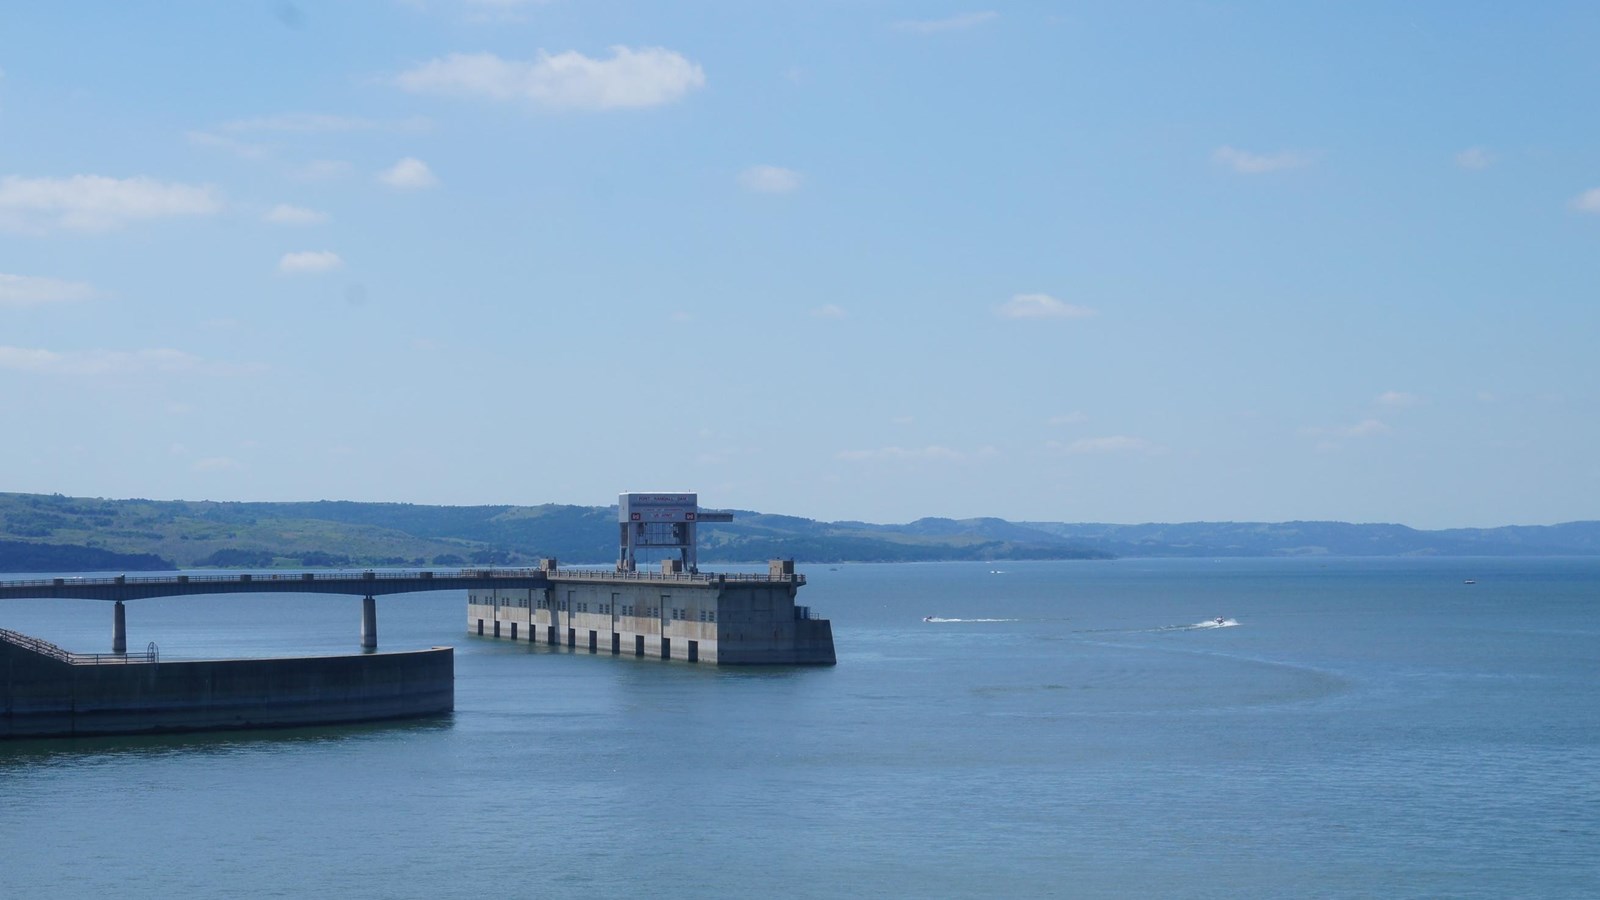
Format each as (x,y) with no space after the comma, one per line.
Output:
(45,697)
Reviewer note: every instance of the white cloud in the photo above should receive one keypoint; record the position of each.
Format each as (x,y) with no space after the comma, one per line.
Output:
(97,203)
(1475,158)
(1588,201)
(28,290)
(241,149)
(114,362)
(1117,443)
(937,454)
(320,123)
(499,10)
(1363,429)
(504,4)
(951,23)
(1041,306)
(409,174)
(1398,399)
(650,76)
(828,311)
(284,214)
(769,179)
(308,262)
(321,170)
(217,464)
(1255,163)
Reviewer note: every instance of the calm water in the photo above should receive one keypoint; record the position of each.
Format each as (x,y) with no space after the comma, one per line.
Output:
(1358,729)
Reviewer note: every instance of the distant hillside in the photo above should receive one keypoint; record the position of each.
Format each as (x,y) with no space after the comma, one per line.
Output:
(55,533)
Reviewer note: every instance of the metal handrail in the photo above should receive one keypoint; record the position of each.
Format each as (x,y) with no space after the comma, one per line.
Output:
(29,642)
(699,577)
(401,575)
(45,648)
(343,575)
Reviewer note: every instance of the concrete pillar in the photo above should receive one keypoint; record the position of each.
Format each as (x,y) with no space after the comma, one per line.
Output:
(369,624)
(119,629)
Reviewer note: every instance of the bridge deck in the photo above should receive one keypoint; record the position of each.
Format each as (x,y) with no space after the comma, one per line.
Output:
(360,584)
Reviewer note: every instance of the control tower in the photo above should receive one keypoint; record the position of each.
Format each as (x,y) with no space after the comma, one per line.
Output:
(661,520)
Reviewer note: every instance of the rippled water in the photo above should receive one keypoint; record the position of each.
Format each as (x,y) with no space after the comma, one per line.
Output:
(1082,729)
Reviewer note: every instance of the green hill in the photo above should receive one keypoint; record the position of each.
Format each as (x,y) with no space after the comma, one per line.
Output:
(54,533)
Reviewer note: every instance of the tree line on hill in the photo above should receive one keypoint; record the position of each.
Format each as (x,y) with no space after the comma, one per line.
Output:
(42,533)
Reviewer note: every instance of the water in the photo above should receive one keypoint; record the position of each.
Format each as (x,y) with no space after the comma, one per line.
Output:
(1076,729)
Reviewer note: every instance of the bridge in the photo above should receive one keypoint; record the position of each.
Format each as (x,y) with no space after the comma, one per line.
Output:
(367,584)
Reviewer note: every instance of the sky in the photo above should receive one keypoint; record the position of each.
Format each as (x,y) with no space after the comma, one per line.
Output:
(842,259)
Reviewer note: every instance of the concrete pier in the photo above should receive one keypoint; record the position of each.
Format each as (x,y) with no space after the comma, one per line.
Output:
(369,624)
(119,629)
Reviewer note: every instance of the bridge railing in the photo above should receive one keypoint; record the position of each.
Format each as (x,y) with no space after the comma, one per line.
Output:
(400,575)
(45,648)
(343,575)
(693,577)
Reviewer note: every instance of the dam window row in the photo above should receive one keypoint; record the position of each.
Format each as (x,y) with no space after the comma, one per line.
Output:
(678,614)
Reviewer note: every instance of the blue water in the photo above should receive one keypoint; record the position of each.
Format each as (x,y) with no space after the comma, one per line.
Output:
(1074,729)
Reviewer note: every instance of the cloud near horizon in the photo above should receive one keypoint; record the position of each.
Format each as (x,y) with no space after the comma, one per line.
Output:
(1041,306)
(629,79)
(1116,443)
(959,22)
(769,180)
(320,123)
(1397,399)
(93,203)
(31,290)
(1363,429)
(409,174)
(1246,163)
(309,262)
(286,214)
(116,362)
(932,453)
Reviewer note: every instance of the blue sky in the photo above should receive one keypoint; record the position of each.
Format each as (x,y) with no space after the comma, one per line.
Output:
(846,260)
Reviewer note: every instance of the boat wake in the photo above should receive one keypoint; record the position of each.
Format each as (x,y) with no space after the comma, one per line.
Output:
(1165,629)
(940,620)
(1218,622)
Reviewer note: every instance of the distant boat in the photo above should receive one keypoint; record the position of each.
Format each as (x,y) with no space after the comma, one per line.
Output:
(1469,581)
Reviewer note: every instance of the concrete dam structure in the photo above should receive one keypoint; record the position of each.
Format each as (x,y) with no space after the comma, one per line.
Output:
(676,613)
(719,619)
(49,692)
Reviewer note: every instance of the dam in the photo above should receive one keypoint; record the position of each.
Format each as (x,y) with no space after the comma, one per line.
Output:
(675,613)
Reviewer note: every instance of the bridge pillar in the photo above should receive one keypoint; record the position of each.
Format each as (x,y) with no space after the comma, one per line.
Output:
(369,624)
(119,629)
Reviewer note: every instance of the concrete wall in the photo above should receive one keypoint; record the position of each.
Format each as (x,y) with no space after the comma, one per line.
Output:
(45,697)
(720,622)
